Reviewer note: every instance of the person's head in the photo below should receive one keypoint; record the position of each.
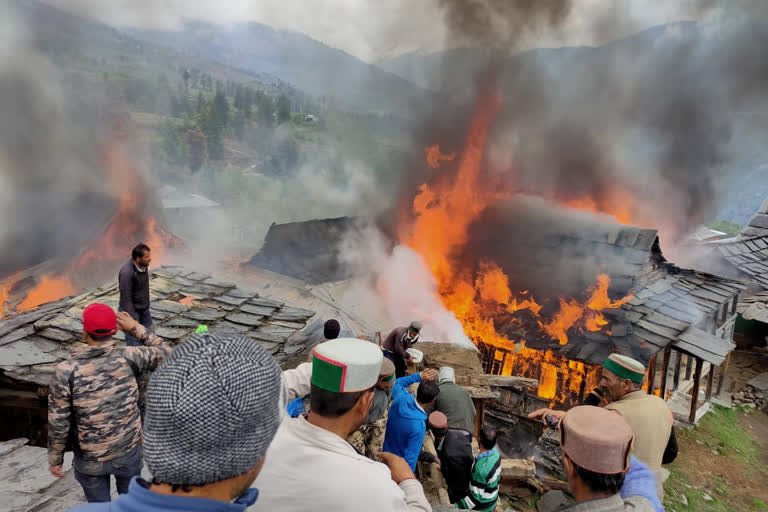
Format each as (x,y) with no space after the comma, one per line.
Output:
(99,323)
(414,329)
(620,375)
(438,424)
(141,255)
(427,392)
(344,376)
(386,374)
(212,410)
(596,445)
(446,374)
(331,329)
(487,437)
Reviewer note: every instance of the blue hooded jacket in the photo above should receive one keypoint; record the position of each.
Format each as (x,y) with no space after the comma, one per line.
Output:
(406,424)
(140,499)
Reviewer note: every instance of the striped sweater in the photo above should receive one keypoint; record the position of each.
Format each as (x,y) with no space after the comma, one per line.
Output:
(484,483)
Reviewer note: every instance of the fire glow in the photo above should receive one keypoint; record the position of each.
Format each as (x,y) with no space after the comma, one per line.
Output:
(480,294)
(100,260)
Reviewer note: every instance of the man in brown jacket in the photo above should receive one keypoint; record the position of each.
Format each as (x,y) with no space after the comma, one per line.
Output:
(93,401)
(396,344)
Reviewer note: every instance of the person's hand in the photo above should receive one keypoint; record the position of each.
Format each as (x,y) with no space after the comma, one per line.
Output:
(397,466)
(125,321)
(56,471)
(429,374)
(541,414)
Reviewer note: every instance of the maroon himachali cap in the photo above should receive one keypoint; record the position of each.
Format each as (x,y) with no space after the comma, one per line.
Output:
(99,320)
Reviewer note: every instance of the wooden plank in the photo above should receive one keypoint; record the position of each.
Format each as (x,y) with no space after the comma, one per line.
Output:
(710,382)
(658,329)
(652,374)
(706,342)
(666,321)
(723,370)
(688,367)
(518,468)
(676,377)
(506,381)
(665,370)
(695,391)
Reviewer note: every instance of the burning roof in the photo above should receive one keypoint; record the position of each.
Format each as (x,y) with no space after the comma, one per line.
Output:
(748,252)
(32,343)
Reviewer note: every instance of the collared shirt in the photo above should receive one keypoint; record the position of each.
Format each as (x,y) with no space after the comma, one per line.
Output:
(138,268)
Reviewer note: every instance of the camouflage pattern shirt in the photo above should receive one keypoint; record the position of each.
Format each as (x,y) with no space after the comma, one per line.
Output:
(104,398)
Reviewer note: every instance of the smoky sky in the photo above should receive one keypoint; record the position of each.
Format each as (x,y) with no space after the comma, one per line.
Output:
(651,116)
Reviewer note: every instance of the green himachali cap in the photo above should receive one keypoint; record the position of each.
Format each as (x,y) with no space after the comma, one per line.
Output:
(625,367)
(346,365)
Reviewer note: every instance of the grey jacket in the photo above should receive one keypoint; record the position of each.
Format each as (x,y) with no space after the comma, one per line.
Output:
(613,503)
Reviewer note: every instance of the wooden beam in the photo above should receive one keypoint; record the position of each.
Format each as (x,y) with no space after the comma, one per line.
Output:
(695,391)
(518,468)
(676,378)
(710,381)
(509,381)
(688,367)
(723,370)
(652,374)
(665,370)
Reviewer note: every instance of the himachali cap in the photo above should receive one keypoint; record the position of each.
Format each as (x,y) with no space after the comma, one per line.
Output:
(387,371)
(625,367)
(99,320)
(446,374)
(346,365)
(415,325)
(596,439)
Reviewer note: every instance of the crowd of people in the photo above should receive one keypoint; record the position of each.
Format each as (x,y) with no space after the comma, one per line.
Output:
(221,427)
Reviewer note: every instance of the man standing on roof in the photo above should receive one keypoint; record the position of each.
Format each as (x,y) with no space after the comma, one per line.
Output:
(647,415)
(369,438)
(133,279)
(310,464)
(398,342)
(95,392)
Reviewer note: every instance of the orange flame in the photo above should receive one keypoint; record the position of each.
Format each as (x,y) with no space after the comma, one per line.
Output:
(570,313)
(434,156)
(48,289)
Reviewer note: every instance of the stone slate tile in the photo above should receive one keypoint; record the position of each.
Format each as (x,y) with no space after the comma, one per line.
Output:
(23,353)
(62,322)
(160,315)
(29,317)
(244,319)
(46,345)
(204,314)
(269,346)
(263,301)
(180,321)
(219,284)
(224,326)
(169,306)
(293,349)
(183,282)
(257,310)
(290,325)
(274,332)
(18,334)
(210,303)
(57,335)
(201,290)
(197,276)
(7,447)
(170,333)
(226,299)
(25,470)
(239,292)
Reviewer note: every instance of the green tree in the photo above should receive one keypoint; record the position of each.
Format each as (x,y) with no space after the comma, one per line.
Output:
(283,109)
(264,109)
(197,144)
(221,108)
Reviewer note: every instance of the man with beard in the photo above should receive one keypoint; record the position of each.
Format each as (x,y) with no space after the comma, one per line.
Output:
(395,346)
(648,415)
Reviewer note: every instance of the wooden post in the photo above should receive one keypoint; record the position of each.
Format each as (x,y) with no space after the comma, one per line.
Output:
(651,374)
(688,367)
(676,378)
(665,370)
(695,390)
(710,381)
(723,370)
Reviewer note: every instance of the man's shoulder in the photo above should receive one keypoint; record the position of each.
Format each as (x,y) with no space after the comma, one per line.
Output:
(126,268)
(638,504)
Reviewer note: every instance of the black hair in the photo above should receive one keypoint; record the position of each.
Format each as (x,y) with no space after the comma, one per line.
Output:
(100,337)
(139,251)
(598,482)
(331,329)
(176,487)
(329,404)
(487,437)
(428,391)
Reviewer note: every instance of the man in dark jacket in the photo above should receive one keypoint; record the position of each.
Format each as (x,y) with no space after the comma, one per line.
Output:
(454,448)
(94,395)
(454,401)
(134,289)
(398,342)
(407,421)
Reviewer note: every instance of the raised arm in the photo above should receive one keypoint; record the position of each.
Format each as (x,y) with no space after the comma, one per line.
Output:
(155,349)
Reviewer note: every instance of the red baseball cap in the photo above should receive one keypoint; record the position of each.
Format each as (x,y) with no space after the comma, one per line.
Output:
(99,320)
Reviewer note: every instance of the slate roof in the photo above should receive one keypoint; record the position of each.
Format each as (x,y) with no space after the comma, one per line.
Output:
(749,251)
(754,306)
(32,343)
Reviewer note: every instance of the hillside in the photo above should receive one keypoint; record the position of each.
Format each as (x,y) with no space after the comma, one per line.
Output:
(309,65)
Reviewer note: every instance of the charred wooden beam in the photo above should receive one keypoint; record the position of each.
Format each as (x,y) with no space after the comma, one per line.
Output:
(688,367)
(665,370)
(676,378)
(695,390)
(507,381)
(652,374)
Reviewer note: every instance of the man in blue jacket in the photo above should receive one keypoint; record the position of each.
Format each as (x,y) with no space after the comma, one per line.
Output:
(406,424)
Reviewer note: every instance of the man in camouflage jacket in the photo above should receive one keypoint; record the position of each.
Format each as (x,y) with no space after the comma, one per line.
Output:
(94,398)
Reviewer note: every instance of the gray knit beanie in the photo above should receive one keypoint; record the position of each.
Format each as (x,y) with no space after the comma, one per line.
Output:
(213,408)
